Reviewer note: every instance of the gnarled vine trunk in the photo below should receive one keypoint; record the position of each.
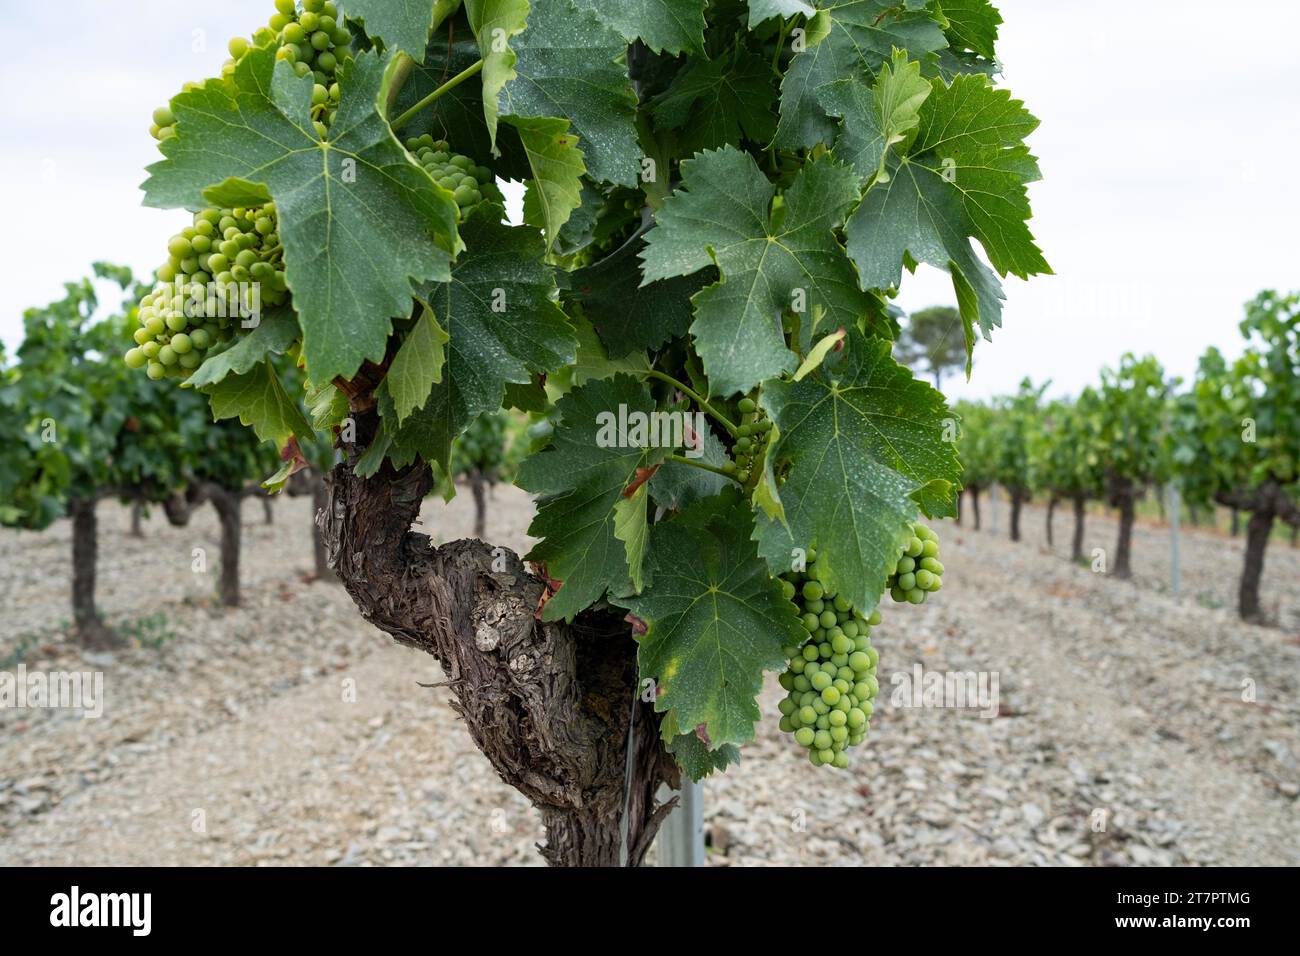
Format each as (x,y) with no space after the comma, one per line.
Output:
(1018,498)
(1080,512)
(320,499)
(975,504)
(227,503)
(1265,504)
(91,630)
(549,704)
(1051,511)
(137,516)
(1236,522)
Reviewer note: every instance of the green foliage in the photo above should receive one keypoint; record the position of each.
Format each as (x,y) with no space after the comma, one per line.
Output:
(1128,415)
(709,195)
(1063,455)
(1016,419)
(1239,425)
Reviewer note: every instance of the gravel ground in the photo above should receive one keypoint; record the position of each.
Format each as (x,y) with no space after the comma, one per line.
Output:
(1134,728)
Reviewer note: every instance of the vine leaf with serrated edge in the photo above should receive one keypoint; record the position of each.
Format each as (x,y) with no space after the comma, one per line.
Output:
(669,26)
(499,313)
(964,175)
(716,620)
(258,399)
(584,472)
(862,446)
(359,219)
(722,215)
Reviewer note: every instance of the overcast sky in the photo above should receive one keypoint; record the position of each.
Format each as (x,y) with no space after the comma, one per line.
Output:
(1167,145)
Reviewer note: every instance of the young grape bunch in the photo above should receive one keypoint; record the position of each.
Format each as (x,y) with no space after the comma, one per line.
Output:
(831,680)
(919,571)
(754,431)
(218,270)
(468,182)
(312,38)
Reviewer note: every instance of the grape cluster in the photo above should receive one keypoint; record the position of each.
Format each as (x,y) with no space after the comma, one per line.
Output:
(754,430)
(919,571)
(314,40)
(468,182)
(831,679)
(206,286)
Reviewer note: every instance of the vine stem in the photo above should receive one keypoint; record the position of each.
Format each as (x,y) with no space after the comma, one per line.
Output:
(699,399)
(702,465)
(455,81)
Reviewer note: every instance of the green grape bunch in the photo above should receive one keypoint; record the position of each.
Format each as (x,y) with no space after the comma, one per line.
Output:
(831,679)
(312,38)
(227,265)
(919,572)
(469,183)
(753,433)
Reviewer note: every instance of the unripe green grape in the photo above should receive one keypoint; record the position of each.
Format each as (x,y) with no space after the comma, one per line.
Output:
(167,355)
(808,715)
(140,336)
(805,736)
(828,619)
(929,548)
(837,718)
(859,661)
(820,707)
(797,664)
(150,349)
(916,596)
(301,69)
(857,718)
(821,680)
(807,699)
(824,649)
(810,668)
(190,360)
(135,358)
(176,322)
(321,130)
(201,338)
(907,582)
(905,564)
(815,607)
(827,755)
(849,629)
(823,722)
(841,760)
(830,696)
(156,370)
(785,725)
(822,739)
(924,579)
(810,652)
(328,62)
(914,547)
(842,604)
(786,706)
(862,690)
(933,565)
(867,707)
(180,343)
(812,591)
(898,594)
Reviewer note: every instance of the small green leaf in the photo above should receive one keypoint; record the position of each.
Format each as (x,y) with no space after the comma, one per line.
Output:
(671,26)
(258,399)
(417,367)
(632,527)
(555,189)
(273,335)
(818,355)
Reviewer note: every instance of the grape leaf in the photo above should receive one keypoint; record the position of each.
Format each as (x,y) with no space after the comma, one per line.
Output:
(555,161)
(672,26)
(417,366)
(503,325)
(259,400)
(495,23)
(693,754)
(565,67)
(630,318)
(720,101)
(760,10)
(402,24)
(359,219)
(715,619)
(973,25)
(721,214)
(877,117)
(677,485)
(632,527)
(848,38)
(273,335)
(963,176)
(587,467)
(863,444)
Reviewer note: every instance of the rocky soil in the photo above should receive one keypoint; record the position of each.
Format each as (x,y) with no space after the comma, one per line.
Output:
(1133,727)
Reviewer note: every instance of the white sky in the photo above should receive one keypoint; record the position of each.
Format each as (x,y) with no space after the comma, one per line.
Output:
(1168,148)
